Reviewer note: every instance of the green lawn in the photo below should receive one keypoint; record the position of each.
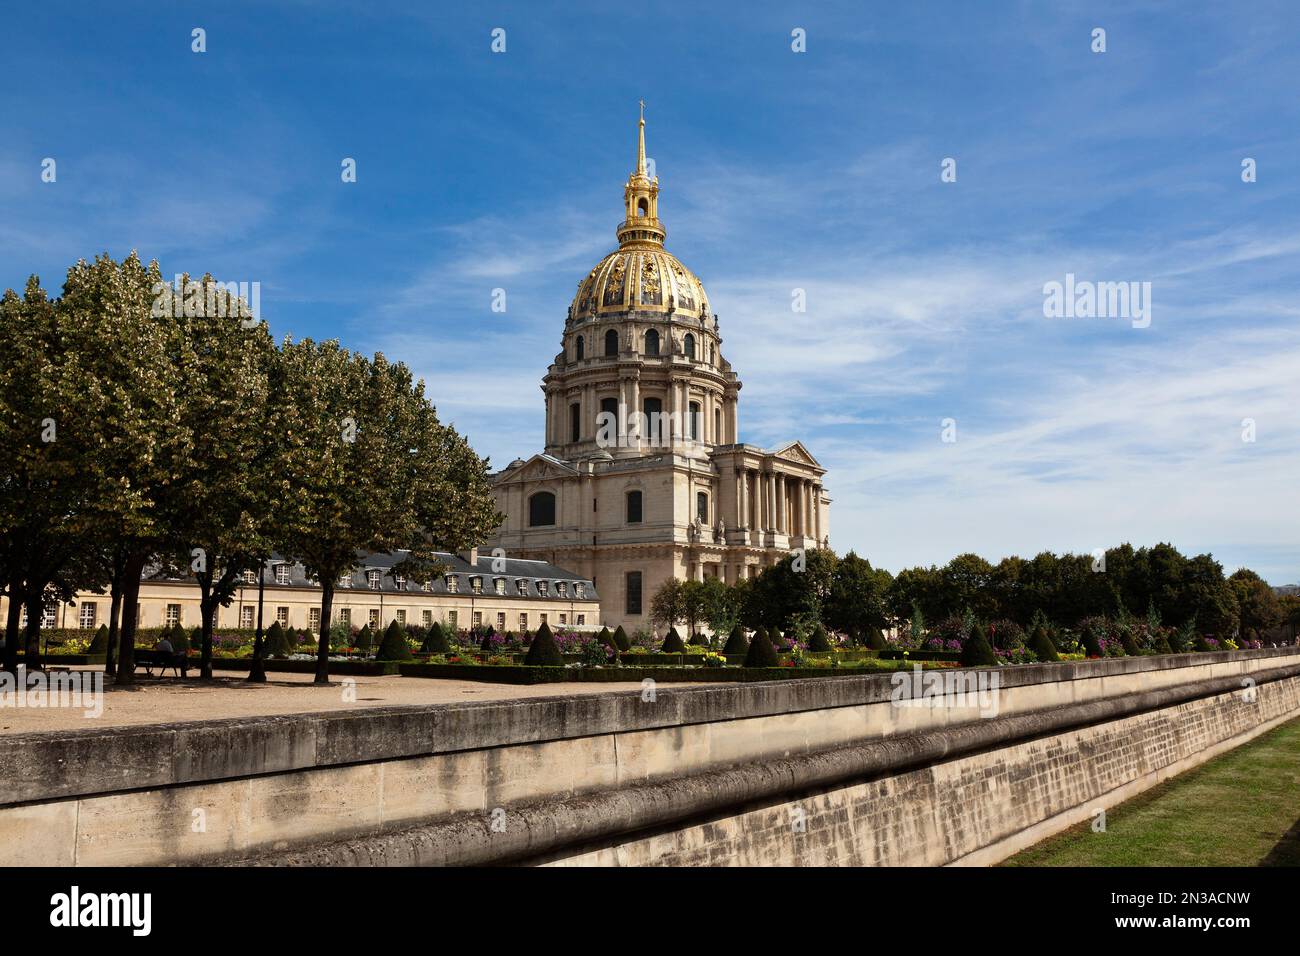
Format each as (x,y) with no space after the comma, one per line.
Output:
(1240,809)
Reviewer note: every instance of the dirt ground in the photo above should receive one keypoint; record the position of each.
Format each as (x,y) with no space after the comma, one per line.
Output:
(169,700)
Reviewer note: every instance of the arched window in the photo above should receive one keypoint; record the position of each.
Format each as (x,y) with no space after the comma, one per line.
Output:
(611,342)
(702,507)
(688,345)
(634,507)
(541,509)
(581,349)
(652,342)
(641,207)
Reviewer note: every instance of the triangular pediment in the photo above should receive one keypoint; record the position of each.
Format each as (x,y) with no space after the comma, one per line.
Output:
(795,451)
(539,468)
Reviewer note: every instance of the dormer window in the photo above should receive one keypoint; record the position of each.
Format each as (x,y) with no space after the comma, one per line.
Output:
(345,580)
(372,579)
(400,581)
(499,585)
(561,588)
(250,577)
(544,588)
(453,584)
(522,587)
(580,590)
(476,585)
(282,574)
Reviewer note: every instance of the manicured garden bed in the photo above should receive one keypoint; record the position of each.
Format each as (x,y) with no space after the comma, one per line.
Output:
(520,674)
(341,668)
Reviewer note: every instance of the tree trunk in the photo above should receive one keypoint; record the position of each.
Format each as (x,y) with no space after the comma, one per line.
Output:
(114,615)
(12,619)
(323,644)
(207,611)
(131,571)
(257,670)
(32,635)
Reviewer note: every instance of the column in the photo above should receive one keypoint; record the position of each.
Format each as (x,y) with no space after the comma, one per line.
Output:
(742,495)
(634,411)
(769,483)
(817,513)
(622,412)
(733,421)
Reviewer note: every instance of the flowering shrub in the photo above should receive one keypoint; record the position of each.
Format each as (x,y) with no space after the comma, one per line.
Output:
(938,644)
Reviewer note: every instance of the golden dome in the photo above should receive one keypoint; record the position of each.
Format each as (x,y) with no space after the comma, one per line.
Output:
(640,274)
(651,280)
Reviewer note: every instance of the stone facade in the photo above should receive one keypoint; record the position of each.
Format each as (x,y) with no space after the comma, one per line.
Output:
(643,476)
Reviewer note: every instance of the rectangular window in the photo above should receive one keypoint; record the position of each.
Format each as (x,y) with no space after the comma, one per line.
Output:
(345,580)
(400,581)
(372,579)
(246,618)
(564,618)
(582,619)
(453,584)
(562,588)
(543,617)
(86,618)
(478,618)
(173,615)
(575,423)
(374,618)
(476,585)
(633,592)
(544,588)
(499,585)
(250,577)
(501,620)
(345,616)
(523,621)
(282,616)
(401,618)
(451,620)
(522,587)
(580,590)
(313,620)
(702,507)
(282,574)
(426,617)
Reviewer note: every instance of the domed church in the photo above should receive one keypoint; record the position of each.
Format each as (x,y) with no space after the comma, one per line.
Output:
(644,477)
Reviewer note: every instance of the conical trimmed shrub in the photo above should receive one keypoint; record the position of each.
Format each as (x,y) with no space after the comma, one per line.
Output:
(435,642)
(394,646)
(819,640)
(673,643)
(1042,645)
(1130,645)
(276,642)
(365,639)
(875,639)
(607,639)
(621,639)
(976,650)
(543,651)
(761,653)
(1162,644)
(699,640)
(737,643)
(99,643)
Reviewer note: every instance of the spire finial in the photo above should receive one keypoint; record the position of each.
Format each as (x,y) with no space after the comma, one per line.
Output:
(640,143)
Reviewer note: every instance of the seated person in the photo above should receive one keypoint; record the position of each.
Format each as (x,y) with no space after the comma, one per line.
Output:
(164,646)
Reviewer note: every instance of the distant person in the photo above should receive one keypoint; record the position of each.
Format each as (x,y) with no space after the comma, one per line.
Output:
(164,646)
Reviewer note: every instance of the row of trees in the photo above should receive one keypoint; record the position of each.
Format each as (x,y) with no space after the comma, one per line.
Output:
(145,424)
(848,595)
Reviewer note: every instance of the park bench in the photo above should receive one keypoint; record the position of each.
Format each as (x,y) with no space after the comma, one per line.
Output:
(149,659)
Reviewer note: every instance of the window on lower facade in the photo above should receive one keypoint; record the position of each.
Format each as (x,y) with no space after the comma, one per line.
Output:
(523,621)
(693,424)
(564,619)
(702,507)
(282,616)
(575,423)
(401,618)
(426,618)
(345,616)
(451,620)
(633,593)
(86,617)
(501,620)
(634,507)
(478,618)
(374,618)
(313,620)
(246,619)
(543,617)
(173,615)
(582,619)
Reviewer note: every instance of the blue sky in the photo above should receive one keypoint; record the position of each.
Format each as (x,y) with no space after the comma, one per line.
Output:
(779,170)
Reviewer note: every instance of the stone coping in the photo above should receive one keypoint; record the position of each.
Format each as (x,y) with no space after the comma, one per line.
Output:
(50,765)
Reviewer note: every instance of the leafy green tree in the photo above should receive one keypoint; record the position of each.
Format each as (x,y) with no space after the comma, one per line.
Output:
(1258,608)
(373,470)
(668,606)
(856,604)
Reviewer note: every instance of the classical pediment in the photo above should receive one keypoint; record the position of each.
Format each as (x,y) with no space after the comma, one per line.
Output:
(540,467)
(796,452)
